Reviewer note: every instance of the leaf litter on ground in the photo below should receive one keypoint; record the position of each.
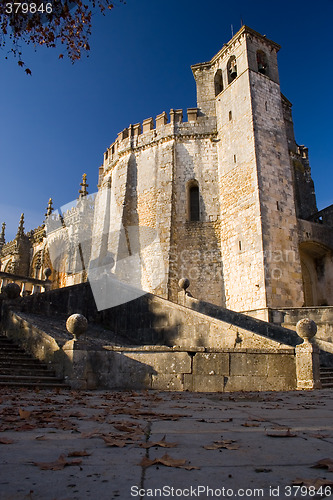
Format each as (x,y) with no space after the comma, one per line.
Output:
(168,462)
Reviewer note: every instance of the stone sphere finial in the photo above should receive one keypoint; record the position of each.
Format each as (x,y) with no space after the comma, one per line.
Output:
(76,324)
(12,290)
(184,283)
(306,329)
(47,272)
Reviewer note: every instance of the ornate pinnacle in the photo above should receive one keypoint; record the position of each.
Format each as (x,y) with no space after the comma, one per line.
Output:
(2,235)
(83,191)
(20,231)
(49,208)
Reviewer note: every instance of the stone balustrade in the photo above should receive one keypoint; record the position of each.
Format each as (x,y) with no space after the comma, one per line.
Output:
(36,285)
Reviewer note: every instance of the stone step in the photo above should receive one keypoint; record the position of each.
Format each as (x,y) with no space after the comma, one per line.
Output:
(21,362)
(10,347)
(35,385)
(326,377)
(13,360)
(19,369)
(31,379)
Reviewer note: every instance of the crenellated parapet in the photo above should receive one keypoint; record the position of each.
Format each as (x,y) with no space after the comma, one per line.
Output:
(161,129)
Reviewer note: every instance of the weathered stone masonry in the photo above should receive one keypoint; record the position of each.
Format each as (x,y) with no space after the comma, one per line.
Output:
(227,190)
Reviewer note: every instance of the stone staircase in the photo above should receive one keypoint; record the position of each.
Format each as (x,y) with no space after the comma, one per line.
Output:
(326,377)
(19,369)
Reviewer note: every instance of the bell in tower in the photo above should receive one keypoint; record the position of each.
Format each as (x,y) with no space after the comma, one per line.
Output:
(232,69)
(262,62)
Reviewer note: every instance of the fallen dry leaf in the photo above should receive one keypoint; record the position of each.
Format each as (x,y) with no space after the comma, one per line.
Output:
(130,427)
(228,444)
(82,453)
(110,441)
(280,433)
(24,414)
(214,420)
(6,441)
(91,434)
(58,464)
(163,443)
(26,427)
(325,463)
(319,436)
(250,424)
(316,482)
(168,462)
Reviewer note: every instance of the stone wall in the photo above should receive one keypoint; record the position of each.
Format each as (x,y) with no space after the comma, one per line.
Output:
(160,345)
(148,175)
(85,364)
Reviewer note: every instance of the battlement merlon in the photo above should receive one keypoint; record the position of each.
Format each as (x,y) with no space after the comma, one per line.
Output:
(138,135)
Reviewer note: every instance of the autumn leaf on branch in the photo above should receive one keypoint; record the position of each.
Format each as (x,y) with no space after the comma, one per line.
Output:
(49,23)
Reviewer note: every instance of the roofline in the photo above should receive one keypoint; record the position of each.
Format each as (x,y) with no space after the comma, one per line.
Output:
(244,29)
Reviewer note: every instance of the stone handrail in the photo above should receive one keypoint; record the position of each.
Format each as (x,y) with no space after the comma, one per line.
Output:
(22,280)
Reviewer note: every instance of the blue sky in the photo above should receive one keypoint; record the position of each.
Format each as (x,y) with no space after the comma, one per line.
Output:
(56,124)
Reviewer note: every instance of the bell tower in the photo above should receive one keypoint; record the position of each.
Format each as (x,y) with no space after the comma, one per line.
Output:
(259,240)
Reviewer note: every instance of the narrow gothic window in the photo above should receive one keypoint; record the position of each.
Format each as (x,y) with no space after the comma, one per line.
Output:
(232,69)
(218,82)
(193,201)
(230,116)
(262,62)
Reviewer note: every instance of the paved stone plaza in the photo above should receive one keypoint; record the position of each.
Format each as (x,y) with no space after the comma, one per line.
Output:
(61,445)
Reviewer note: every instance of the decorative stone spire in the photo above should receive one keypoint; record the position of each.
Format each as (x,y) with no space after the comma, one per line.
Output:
(2,235)
(83,191)
(49,208)
(20,231)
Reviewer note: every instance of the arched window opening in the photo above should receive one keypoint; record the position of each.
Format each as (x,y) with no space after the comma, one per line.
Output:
(193,201)
(262,62)
(218,82)
(232,69)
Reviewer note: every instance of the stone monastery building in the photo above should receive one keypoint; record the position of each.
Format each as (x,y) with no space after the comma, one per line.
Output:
(227,191)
